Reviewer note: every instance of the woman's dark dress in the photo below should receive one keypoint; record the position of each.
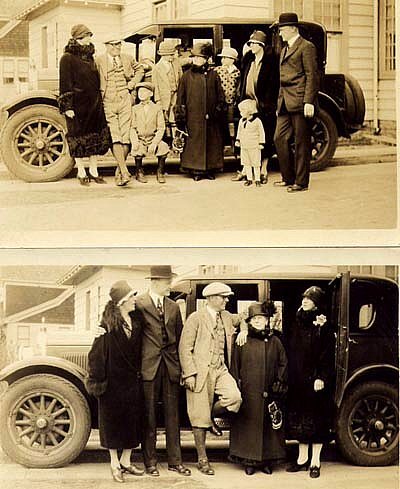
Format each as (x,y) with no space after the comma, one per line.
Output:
(200,110)
(118,359)
(311,354)
(88,133)
(256,366)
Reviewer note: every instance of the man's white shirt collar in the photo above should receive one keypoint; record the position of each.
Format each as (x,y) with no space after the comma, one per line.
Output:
(293,40)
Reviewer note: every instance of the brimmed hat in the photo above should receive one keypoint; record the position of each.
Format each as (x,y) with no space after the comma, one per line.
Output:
(166,48)
(316,294)
(256,309)
(203,49)
(288,18)
(249,104)
(113,40)
(120,291)
(228,53)
(159,271)
(258,37)
(147,85)
(217,288)
(79,31)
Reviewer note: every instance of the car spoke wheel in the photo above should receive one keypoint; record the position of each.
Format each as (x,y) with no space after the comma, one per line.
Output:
(373,424)
(44,421)
(324,138)
(34,146)
(367,424)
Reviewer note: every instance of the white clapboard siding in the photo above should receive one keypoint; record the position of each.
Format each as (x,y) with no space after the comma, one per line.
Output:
(386,104)
(135,14)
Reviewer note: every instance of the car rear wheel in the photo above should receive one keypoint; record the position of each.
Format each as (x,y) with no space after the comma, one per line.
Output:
(34,146)
(324,138)
(367,426)
(44,421)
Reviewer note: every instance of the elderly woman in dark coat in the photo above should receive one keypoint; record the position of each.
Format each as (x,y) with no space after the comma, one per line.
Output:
(311,353)
(114,378)
(80,101)
(199,111)
(260,369)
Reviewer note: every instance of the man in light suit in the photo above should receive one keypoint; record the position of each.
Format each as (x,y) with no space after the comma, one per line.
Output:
(119,74)
(205,352)
(161,369)
(165,77)
(297,101)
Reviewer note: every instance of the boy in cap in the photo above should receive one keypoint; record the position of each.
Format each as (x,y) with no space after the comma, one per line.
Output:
(204,352)
(165,77)
(251,139)
(119,74)
(229,75)
(147,130)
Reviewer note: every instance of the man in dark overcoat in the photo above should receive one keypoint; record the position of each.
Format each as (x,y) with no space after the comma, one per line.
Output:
(297,103)
(260,82)
(161,369)
(199,111)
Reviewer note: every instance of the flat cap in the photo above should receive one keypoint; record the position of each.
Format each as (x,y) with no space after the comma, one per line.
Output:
(217,288)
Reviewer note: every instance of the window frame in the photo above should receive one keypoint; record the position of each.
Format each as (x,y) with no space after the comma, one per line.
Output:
(384,73)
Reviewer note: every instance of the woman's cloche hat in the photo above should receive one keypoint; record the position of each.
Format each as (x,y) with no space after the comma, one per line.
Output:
(228,53)
(257,309)
(288,18)
(202,49)
(167,48)
(160,271)
(316,294)
(258,37)
(79,31)
(120,291)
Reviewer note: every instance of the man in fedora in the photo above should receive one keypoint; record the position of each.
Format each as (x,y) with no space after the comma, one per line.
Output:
(161,369)
(119,74)
(165,77)
(260,82)
(297,102)
(204,352)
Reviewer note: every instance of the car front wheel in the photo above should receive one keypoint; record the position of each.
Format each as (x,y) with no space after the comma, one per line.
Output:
(367,425)
(44,421)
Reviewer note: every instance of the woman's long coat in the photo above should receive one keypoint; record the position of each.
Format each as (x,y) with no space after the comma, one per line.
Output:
(200,111)
(311,353)
(117,359)
(88,133)
(256,366)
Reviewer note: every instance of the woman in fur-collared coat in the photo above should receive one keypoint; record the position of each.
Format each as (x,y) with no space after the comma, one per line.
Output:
(80,101)
(114,378)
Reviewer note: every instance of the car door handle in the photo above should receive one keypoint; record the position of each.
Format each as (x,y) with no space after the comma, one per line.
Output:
(353,341)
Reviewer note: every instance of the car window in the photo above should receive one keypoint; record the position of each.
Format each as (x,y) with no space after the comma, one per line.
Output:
(364,297)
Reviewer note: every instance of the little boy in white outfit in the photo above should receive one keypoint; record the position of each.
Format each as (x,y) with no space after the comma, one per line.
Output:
(250,139)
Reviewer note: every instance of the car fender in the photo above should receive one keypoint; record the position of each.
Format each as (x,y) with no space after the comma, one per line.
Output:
(387,373)
(327,103)
(33,97)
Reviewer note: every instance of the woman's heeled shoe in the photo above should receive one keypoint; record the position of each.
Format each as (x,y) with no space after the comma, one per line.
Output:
(97,179)
(295,467)
(315,472)
(85,181)
(117,474)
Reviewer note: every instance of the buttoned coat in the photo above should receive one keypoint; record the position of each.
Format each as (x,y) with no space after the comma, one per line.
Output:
(133,71)
(162,88)
(196,344)
(299,76)
(153,350)
(148,127)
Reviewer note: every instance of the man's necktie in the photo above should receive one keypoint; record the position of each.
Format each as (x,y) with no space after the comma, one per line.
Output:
(164,333)
(115,61)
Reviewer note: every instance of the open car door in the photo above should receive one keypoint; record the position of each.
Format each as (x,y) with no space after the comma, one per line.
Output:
(340,316)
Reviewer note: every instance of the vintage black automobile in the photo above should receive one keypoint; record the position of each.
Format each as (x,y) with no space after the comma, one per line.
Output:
(32,139)
(46,414)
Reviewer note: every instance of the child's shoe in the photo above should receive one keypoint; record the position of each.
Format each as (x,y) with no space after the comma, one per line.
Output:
(258,183)
(276,415)
(247,183)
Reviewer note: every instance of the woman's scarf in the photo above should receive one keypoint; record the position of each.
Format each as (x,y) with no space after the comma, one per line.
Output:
(85,52)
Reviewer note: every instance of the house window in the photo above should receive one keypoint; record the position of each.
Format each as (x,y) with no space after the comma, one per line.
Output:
(160,10)
(45,47)
(387,38)
(288,6)
(87,310)
(99,311)
(23,68)
(328,13)
(8,71)
(23,335)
